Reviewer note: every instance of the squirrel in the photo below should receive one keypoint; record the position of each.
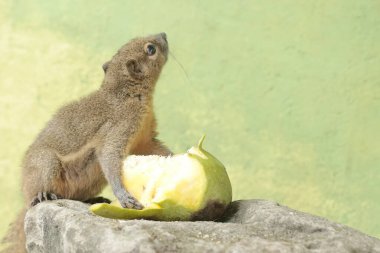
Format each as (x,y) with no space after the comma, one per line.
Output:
(82,147)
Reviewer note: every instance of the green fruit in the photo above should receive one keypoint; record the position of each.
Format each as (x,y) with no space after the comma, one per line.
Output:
(190,186)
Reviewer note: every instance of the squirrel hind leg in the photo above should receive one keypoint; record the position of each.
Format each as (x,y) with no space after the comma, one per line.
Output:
(42,173)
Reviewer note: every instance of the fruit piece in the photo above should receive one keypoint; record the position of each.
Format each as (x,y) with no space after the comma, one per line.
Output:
(190,186)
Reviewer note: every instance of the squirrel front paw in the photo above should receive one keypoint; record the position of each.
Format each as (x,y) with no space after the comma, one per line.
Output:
(130,202)
(134,203)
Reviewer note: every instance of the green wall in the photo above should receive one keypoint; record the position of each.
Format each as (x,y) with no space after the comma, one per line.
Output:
(288,92)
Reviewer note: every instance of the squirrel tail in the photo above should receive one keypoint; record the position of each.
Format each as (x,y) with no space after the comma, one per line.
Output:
(14,241)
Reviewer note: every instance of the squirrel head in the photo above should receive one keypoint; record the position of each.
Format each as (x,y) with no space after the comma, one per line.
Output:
(137,63)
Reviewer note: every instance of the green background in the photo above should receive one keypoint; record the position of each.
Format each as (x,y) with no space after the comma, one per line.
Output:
(287,92)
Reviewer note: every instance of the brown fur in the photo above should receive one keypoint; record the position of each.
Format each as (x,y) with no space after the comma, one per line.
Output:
(83,145)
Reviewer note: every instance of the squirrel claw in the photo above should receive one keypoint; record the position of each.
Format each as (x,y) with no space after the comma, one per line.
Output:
(132,203)
(43,196)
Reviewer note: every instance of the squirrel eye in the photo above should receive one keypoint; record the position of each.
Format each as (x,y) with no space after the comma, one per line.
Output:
(150,49)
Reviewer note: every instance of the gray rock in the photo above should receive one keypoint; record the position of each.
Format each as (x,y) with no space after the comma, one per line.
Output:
(248,226)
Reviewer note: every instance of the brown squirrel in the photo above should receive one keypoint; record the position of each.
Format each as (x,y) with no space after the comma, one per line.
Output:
(82,147)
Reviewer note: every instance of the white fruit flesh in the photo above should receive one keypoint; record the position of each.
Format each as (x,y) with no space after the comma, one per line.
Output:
(156,179)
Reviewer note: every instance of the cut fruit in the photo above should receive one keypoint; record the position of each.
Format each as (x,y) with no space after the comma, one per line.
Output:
(190,186)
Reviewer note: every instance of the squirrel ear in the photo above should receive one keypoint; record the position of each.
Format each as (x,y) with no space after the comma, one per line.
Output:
(105,66)
(134,69)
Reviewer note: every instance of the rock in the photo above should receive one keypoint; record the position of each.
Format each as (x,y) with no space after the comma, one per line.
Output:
(248,226)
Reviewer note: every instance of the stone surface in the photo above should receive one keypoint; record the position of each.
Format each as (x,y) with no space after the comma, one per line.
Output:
(248,226)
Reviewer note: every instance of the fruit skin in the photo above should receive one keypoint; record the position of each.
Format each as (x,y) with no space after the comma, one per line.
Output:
(198,188)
